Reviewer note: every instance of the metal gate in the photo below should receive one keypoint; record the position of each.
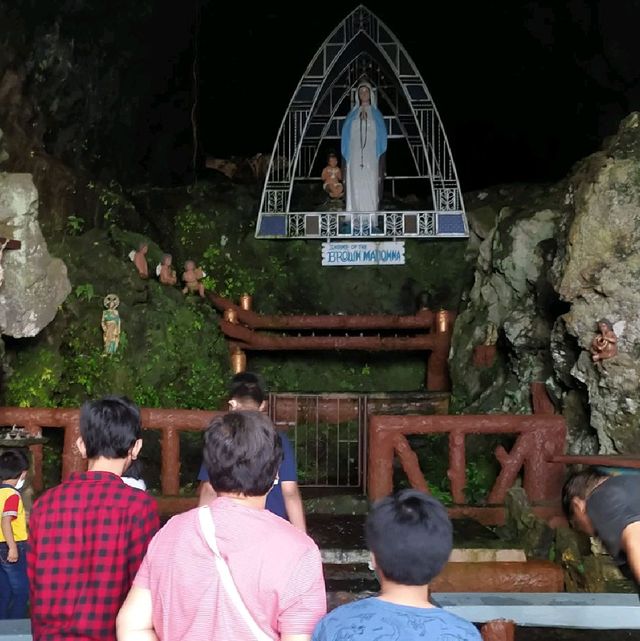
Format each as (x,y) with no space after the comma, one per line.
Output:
(328,432)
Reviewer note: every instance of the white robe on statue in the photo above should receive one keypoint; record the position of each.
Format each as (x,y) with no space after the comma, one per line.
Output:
(362,172)
(364,141)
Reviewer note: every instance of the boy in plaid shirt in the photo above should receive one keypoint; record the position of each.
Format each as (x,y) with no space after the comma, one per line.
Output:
(89,534)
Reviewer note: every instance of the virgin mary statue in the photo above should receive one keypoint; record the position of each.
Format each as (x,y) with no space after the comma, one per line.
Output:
(364,142)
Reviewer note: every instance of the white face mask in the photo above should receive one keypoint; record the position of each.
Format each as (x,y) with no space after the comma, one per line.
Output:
(20,484)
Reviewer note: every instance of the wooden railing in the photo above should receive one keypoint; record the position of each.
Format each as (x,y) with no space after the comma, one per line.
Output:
(427,331)
(168,422)
(539,438)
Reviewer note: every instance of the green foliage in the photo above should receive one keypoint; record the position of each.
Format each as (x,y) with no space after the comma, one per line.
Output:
(225,278)
(171,352)
(115,207)
(37,374)
(340,372)
(75,225)
(481,475)
(433,456)
(443,495)
(191,224)
(173,363)
(85,292)
(326,453)
(186,365)
(52,456)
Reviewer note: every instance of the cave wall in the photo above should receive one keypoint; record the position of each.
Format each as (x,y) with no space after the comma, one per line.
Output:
(549,262)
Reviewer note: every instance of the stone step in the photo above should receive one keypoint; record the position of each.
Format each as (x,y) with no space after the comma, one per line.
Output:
(340,538)
(458,555)
(350,581)
(355,578)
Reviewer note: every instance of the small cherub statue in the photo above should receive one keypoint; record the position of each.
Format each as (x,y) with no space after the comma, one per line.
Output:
(165,272)
(111,324)
(605,344)
(139,259)
(192,277)
(332,177)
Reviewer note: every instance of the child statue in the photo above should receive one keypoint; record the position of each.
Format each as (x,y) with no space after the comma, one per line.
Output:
(192,277)
(139,259)
(332,177)
(111,324)
(605,344)
(165,272)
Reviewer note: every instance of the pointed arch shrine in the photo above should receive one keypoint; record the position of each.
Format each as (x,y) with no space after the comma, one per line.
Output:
(362,47)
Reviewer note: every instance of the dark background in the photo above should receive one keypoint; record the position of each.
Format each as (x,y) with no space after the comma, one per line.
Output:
(524,89)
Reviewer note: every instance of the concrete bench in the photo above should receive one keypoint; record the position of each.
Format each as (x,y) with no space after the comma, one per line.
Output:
(586,611)
(15,630)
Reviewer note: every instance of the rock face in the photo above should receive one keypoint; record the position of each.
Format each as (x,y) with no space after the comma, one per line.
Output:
(35,283)
(549,263)
(513,233)
(598,275)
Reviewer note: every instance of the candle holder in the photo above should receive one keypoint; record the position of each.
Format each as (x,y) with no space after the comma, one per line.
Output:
(245,302)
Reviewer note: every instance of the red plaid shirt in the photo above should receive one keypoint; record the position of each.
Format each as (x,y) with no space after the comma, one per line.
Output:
(87,538)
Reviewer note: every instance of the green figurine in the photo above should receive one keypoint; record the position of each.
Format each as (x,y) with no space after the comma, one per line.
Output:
(111,324)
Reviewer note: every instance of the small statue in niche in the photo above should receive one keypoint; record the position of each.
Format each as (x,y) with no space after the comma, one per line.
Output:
(191,277)
(332,177)
(491,337)
(165,272)
(111,324)
(139,259)
(484,355)
(605,344)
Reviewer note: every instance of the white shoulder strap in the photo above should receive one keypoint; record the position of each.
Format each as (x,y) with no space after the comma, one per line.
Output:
(209,532)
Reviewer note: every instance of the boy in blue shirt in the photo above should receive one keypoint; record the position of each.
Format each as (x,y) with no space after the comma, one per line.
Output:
(410,537)
(284,499)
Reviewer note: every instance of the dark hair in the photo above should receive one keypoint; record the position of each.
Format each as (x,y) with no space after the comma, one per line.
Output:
(331,154)
(247,386)
(110,426)
(410,535)
(12,464)
(242,453)
(605,321)
(580,485)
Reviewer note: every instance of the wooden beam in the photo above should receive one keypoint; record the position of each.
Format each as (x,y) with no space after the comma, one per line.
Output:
(262,341)
(12,244)
(423,320)
(630,462)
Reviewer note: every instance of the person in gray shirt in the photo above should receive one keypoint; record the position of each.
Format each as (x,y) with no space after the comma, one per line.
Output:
(608,507)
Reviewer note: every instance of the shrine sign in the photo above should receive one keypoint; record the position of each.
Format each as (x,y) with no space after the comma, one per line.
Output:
(362,253)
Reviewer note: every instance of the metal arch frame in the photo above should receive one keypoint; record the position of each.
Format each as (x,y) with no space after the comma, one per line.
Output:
(338,105)
(283,165)
(320,94)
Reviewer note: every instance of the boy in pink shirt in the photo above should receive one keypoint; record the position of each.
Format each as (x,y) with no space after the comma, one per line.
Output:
(178,593)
